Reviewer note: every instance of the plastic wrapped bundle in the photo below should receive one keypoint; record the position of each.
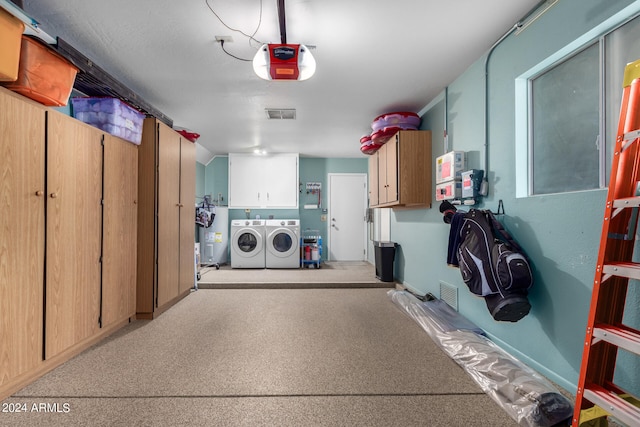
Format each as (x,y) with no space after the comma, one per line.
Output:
(530,399)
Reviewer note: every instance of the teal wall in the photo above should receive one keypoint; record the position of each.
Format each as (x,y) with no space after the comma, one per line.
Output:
(216,183)
(560,233)
(200,171)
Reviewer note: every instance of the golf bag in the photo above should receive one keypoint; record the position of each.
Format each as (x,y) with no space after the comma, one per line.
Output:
(494,266)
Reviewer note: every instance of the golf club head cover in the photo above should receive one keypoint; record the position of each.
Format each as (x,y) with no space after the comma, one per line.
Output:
(447,209)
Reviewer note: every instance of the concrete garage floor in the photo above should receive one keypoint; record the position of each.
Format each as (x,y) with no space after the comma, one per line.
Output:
(263,357)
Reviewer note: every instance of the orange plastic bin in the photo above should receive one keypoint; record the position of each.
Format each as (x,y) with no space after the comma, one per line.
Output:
(11,29)
(44,75)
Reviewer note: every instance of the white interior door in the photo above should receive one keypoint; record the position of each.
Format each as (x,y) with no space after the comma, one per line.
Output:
(347,209)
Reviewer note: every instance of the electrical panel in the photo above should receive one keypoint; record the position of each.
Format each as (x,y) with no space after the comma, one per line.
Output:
(313,187)
(449,166)
(449,190)
(471,183)
(455,182)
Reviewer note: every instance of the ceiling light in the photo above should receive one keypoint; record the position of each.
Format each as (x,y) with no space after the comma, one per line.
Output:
(284,62)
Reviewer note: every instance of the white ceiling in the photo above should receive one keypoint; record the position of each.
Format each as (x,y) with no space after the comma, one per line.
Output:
(372,57)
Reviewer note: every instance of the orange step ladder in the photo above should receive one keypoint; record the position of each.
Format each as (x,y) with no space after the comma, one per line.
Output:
(597,395)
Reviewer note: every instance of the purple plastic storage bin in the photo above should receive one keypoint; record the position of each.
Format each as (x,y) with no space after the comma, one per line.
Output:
(111,115)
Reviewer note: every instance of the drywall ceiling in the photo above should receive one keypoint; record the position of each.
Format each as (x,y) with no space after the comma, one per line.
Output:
(373,57)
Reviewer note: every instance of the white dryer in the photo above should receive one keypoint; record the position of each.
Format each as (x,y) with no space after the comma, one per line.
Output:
(283,243)
(247,243)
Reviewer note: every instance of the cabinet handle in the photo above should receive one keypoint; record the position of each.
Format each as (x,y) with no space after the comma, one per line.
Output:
(179,205)
(39,193)
(53,195)
(135,202)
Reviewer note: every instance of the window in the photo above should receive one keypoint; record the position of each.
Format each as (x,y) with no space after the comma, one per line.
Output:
(573,108)
(565,126)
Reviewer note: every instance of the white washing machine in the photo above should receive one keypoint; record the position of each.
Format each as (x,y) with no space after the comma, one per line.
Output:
(283,243)
(247,243)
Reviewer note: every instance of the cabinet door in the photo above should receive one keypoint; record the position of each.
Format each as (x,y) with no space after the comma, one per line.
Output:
(187,214)
(245,181)
(22,237)
(414,170)
(119,230)
(382,174)
(373,180)
(391,171)
(281,181)
(168,224)
(73,244)
(147,214)
(263,182)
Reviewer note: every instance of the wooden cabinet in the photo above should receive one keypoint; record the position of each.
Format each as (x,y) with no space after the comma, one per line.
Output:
(400,171)
(166,215)
(67,249)
(119,230)
(263,181)
(74,232)
(22,201)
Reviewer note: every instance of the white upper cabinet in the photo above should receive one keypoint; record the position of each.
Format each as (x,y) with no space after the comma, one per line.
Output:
(263,181)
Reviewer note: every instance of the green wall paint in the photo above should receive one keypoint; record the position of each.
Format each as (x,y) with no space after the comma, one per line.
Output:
(200,171)
(216,179)
(559,232)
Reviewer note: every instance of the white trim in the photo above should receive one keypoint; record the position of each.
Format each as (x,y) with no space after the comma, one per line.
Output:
(435,101)
(216,156)
(521,162)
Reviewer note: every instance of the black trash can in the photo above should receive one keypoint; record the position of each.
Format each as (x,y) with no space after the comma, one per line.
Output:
(385,253)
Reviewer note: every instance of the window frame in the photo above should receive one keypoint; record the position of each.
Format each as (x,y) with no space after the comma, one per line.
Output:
(601,147)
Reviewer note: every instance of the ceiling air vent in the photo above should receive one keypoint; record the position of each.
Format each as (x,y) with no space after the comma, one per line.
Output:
(281,113)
